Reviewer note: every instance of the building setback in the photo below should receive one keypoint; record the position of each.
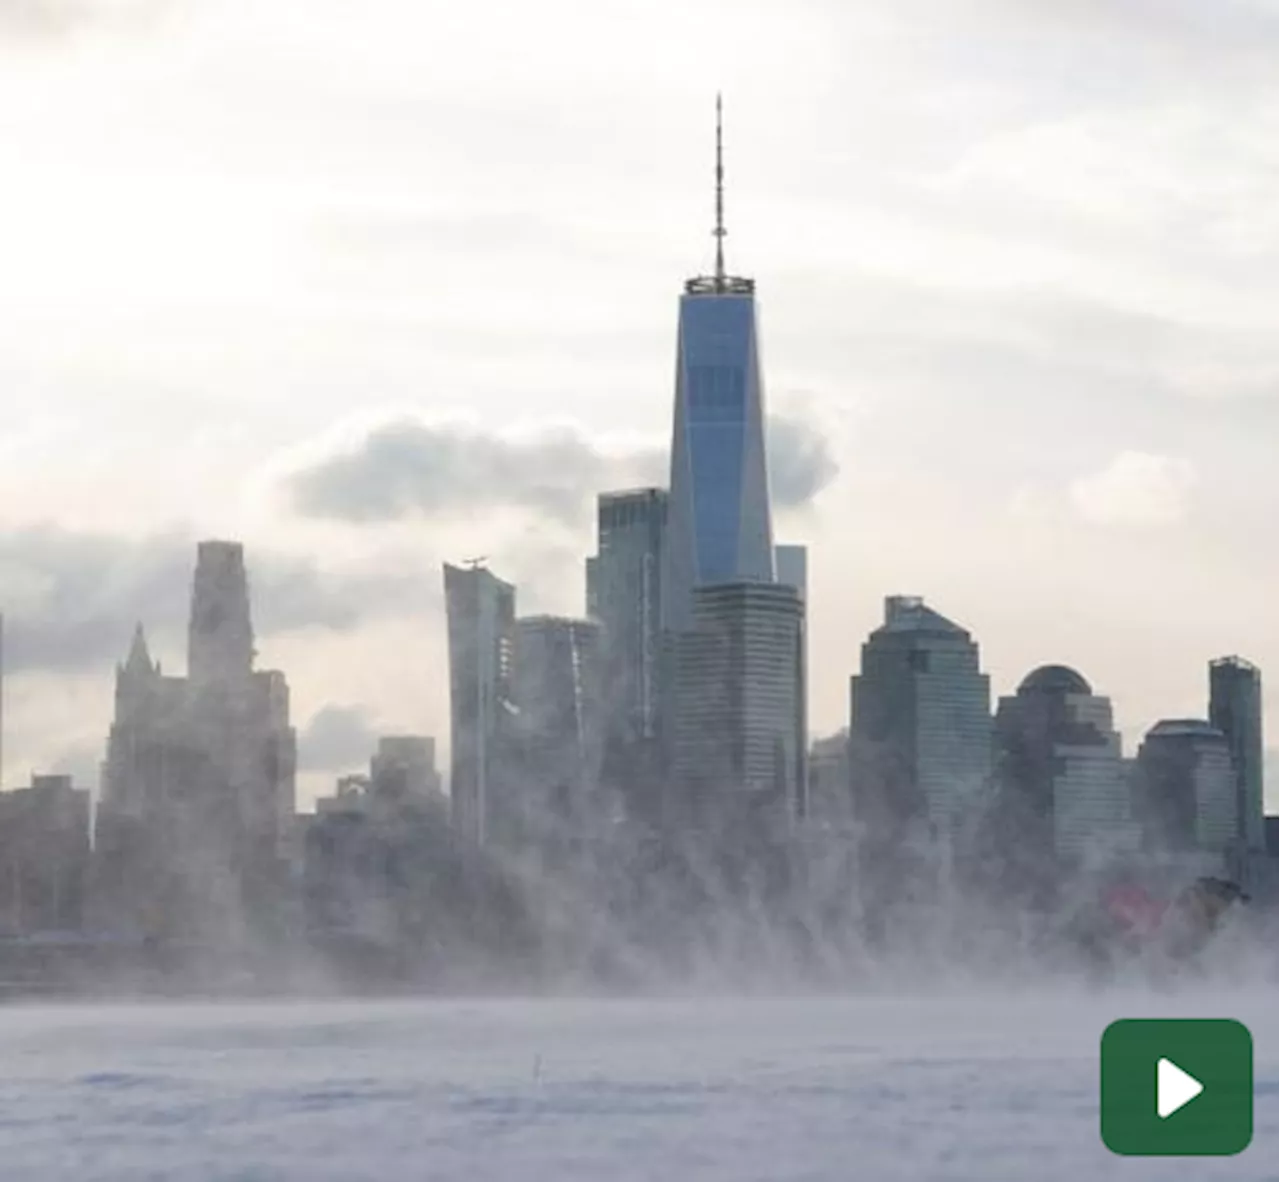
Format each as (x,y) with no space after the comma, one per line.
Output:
(920,723)
(481,611)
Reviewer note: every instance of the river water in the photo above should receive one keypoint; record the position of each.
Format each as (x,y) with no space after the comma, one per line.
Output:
(972,1085)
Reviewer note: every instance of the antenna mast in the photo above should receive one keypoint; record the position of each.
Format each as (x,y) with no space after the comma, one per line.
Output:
(719,282)
(719,231)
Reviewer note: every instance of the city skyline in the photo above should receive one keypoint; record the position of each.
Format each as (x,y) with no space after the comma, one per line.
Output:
(1067,407)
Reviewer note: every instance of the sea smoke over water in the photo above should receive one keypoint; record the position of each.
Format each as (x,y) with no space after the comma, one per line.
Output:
(895,1082)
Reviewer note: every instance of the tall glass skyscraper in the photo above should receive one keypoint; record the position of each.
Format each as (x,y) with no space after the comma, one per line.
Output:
(624,594)
(718,528)
(481,610)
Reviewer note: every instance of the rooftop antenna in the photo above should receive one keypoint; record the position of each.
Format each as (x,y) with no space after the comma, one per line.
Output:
(719,282)
(719,231)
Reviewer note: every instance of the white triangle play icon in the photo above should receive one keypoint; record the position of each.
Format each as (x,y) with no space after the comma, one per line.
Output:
(1174,1088)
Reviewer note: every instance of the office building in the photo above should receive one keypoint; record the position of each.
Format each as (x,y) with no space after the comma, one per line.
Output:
(1235,708)
(558,702)
(624,594)
(1064,793)
(481,611)
(1186,791)
(44,856)
(719,529)
(739,743)
(920,721)
(193,832)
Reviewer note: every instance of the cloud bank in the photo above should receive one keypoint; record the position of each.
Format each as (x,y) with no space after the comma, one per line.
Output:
(72,598)
(411,468)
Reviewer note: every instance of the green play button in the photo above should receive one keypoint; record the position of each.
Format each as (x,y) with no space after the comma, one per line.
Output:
(1177,1086)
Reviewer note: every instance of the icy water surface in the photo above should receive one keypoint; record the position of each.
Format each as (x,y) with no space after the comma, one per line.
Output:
(979,1087)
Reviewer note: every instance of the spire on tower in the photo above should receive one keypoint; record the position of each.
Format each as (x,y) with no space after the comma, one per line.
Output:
(719,282)
(139,659)
(719,231)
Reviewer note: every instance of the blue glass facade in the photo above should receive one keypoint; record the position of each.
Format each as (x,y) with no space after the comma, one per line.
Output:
(719,524)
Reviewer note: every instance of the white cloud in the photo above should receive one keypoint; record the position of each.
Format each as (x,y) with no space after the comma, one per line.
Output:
(1136,488)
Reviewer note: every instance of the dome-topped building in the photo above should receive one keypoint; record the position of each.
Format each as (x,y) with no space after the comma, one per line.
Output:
(1054,679)
(1061,769)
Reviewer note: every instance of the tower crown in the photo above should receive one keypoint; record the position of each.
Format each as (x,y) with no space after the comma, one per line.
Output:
(220,638)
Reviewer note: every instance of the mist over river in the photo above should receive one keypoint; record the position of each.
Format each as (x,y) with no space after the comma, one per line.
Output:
(980,1085)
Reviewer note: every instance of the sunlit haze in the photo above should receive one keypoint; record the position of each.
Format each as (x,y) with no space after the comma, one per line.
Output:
(375,286)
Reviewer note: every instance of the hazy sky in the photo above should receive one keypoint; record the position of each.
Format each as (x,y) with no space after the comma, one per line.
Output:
(372,285)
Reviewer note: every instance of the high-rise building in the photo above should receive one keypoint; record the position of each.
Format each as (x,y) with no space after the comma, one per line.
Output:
(481,611)
(44,856)
(920,720)
(557,696)
(1064,789)
(196,817)
(1186,790)
(719,528)
(1235,708)
(625,596)
(738,740)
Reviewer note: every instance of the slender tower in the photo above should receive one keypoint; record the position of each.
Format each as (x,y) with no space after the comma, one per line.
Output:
(719,525)
(481,612)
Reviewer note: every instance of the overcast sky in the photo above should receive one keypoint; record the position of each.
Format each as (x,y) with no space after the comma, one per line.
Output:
(372,285)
